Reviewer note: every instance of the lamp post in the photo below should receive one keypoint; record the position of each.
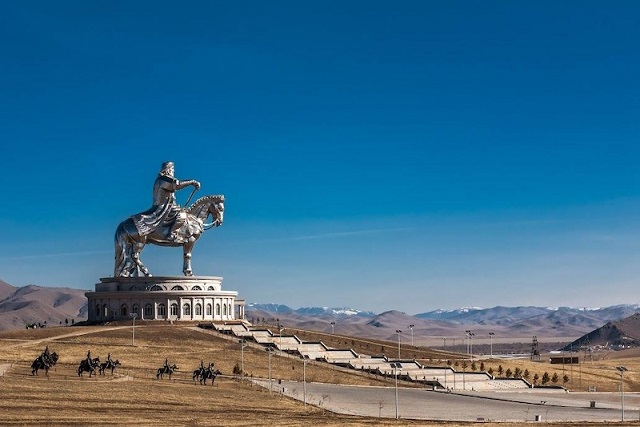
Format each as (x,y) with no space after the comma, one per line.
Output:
(491,334)
(470,335)
(280,328)
(445,343)
(333,325)
(270,353)
(133,328)
(622,370)
(396,367)
(398,333)
(445,378)
(411,327)
(242,344)
(305,359)
(467,334)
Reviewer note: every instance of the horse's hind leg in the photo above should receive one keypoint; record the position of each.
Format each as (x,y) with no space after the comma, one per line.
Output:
(135,255)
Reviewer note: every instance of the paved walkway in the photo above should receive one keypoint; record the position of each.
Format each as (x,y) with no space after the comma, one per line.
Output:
(487,406)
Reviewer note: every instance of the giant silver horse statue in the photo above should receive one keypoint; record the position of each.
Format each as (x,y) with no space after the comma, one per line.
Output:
(165,224)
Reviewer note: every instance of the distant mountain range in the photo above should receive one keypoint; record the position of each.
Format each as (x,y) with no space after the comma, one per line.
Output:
(524,321)
(614,325)
(498,315)
(310,311)
(20,306)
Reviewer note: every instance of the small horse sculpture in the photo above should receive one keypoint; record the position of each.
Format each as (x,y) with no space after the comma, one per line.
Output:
(88,366)
(109,364)
(129,243)
(44,362)
(168,370)
(209,373)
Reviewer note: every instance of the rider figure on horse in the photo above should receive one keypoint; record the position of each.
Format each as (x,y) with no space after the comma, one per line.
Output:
(165,210)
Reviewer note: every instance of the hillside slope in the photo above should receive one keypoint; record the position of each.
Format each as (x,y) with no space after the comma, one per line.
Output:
(20,306)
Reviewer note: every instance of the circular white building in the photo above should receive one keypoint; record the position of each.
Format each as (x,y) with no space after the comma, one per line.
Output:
(188,298)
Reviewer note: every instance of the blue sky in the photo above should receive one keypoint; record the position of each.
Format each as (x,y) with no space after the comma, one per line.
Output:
(406,155)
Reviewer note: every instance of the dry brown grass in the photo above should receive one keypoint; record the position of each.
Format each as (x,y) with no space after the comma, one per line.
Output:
(134,396)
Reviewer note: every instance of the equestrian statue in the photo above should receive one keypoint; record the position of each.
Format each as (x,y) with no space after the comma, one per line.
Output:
(165,224)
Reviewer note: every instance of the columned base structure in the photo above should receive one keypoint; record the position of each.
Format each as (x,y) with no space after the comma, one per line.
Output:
(175,298)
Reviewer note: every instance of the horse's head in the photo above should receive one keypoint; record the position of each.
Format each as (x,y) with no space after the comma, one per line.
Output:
(208,205)
(216,209)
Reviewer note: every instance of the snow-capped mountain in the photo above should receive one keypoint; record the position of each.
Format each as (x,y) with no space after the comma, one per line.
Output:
(310,311)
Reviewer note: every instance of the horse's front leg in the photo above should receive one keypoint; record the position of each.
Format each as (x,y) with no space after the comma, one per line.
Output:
(186,256)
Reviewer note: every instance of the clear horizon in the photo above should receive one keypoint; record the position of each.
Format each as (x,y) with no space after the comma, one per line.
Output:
(414,156)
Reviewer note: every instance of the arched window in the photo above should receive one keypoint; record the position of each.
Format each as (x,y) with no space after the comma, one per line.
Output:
(105,311)
(198,310)
(174,309)
(217,309)
(196,288)
(135,309)
(208,309)
(162,310)
(224,309)
(98,310)
(123,310)
(177,288)
(211,288)
(156,288)
(148,311)
(186,309)
(134,288)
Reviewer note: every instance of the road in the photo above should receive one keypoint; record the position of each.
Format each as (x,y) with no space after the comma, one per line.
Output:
(436,405)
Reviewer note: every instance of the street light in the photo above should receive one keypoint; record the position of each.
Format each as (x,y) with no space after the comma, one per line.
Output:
(467,334)
(398,333)
(133,328)
(491,334)
(333,325)
(305,359)
(396,367)
(269,351)
(622,370)
(411,327)
(242,345)
(469,344)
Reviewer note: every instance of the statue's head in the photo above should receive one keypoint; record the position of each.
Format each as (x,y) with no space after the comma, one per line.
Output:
(167,169)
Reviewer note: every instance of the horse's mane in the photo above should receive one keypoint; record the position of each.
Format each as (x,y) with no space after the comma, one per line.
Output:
(203,200)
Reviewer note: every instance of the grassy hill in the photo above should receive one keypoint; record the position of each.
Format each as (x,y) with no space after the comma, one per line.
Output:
(134,395)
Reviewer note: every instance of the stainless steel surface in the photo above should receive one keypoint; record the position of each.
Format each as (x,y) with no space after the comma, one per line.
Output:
(165,223)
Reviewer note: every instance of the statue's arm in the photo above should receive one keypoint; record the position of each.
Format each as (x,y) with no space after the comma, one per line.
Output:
(182,184)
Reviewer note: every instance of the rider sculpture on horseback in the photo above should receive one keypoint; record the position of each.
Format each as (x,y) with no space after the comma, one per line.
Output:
(165,210)
(165,223)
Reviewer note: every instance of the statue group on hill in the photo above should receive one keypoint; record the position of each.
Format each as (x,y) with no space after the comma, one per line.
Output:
(202,374)
(90,364)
